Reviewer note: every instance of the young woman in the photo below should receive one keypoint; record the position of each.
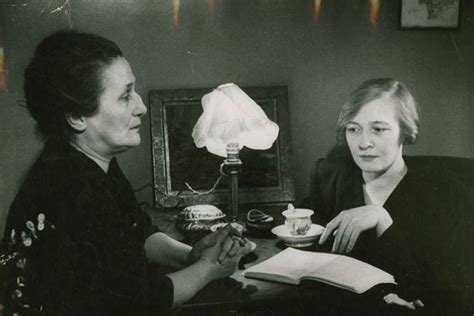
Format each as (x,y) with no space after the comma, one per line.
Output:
(396,212)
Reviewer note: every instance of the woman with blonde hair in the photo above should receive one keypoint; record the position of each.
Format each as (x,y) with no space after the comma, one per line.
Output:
(410,216)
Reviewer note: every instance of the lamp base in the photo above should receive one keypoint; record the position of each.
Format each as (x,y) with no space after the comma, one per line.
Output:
(232,167)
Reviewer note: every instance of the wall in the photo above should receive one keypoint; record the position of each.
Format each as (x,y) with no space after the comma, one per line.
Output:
(250,42)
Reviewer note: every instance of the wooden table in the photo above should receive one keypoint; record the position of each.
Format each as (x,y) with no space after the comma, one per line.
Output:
(238,295)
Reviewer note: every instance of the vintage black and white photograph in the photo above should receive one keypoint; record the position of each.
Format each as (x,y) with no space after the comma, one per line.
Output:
(236,157)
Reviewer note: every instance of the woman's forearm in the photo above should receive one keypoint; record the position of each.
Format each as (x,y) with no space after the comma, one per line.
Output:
(166,251)
(385,221)
(189,281)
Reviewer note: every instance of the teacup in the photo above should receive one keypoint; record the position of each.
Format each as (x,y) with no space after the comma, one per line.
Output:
(298,220)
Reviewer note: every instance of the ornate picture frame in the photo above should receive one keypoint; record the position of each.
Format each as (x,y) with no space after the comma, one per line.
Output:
(267,176)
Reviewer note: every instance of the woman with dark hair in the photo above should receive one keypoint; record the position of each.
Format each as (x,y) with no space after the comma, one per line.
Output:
(396,212)
(84,244)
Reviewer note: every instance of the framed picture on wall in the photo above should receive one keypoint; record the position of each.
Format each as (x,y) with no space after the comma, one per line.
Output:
(266,175)
(442,14)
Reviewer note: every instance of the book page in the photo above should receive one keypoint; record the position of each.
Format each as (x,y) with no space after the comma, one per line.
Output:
(292,263)
(352,274)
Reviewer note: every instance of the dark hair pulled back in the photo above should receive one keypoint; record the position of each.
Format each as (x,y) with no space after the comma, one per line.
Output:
(65,77)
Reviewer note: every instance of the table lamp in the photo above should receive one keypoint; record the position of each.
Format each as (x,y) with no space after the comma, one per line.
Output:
(230,121)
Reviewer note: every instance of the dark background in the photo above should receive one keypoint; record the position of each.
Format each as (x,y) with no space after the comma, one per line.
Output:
(200,168)
(252,43)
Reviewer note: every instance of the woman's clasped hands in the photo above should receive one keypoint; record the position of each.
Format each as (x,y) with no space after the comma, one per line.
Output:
(222,249)
(349,224)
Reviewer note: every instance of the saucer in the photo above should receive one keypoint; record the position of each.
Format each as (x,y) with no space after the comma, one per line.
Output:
(297,241)
(253,246)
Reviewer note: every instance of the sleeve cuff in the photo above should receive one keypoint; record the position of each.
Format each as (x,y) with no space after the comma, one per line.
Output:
(384,223)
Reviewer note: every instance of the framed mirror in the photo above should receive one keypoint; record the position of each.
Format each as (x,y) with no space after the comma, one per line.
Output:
(266,175)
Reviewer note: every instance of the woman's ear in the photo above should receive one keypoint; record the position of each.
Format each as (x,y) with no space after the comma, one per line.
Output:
(77,122)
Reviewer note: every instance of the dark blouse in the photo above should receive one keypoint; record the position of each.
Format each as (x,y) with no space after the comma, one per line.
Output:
(427,248)
(81,237)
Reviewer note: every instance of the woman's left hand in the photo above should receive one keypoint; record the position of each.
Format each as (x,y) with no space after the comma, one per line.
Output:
(234,246)
(210,240)
(349,224)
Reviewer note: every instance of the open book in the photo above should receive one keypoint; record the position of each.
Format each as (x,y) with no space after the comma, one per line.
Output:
(292,265)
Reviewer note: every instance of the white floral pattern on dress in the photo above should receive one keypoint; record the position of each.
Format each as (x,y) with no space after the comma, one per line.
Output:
(18,243)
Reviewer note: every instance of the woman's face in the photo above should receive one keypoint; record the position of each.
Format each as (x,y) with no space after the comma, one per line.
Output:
(373,136)
(116,124)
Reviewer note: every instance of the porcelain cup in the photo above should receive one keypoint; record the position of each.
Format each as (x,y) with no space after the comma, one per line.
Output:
(298,220)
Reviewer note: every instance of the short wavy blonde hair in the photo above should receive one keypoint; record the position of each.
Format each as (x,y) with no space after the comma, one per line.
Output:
(407,108)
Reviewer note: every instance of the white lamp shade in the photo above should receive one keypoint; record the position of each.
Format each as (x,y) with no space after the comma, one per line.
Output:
(230,115)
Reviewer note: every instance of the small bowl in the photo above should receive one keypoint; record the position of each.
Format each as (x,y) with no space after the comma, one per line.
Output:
(259,224)
(200,212)
(195,221)
(195,230)
(298,241)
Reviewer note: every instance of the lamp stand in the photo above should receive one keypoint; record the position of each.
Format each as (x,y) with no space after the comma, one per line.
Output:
(232,167)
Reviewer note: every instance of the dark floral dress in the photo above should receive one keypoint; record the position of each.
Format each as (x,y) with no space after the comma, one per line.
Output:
(77,237)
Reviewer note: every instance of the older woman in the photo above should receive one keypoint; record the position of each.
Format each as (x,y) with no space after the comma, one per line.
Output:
(394,211)
(84,245)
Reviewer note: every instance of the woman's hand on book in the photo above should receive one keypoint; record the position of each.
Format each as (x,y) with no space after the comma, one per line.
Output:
(397,300)
(349,224)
